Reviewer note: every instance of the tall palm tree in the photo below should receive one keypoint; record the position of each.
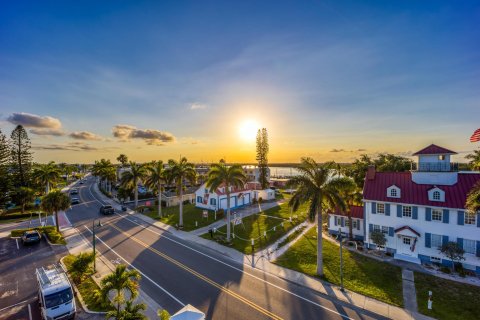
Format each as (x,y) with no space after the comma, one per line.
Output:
(156,178)
(474,159)
(473,199)
(54,202)
(103,170)
(46,174)
(110,176)
(130,312)
(352,196)
(180,172)
(120,282)
(131,178)
(319,186)
(228,176)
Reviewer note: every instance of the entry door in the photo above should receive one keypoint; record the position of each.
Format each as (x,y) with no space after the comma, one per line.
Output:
(405,244)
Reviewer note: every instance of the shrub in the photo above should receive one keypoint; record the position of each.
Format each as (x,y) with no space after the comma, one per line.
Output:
(80,266)
(260,200)
(445,270)
(164,315)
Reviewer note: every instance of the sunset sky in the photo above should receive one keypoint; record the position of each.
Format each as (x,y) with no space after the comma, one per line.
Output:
(156,80)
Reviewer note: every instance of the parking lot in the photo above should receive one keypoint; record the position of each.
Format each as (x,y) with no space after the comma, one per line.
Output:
(18,286)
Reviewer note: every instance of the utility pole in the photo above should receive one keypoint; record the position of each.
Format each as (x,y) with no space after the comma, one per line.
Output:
(94,244)
(253,253)
(341,259)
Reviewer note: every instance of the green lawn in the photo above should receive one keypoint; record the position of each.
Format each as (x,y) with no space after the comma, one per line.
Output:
(364,275)
(50,231)
(190,215)
(86,288)
(254,226)
(15,215)
(451,300)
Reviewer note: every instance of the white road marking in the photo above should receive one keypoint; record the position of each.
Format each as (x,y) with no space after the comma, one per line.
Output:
(143,274)
(29,312)
(228,265)
(13,305)
(16,240)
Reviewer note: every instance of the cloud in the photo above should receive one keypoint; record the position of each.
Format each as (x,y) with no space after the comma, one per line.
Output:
(41,125)
(337,150)
(73,146)
(84,135)
(151,136)
(197,106)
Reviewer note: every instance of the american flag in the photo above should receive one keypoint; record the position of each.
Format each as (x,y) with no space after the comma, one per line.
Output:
(475,136)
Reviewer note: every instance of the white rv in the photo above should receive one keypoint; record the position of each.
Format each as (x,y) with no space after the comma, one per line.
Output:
(55,293)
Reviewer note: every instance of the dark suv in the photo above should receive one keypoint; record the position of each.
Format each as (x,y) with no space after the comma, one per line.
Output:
(31,236)
(107,209)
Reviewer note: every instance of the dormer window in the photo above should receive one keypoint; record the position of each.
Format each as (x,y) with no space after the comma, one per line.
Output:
(436,194)
(441,157)
(393,192)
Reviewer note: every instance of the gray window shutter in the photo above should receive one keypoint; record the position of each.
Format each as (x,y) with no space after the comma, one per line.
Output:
(446,216)
(387,209)
(460,218)
(444,240)
(390,231)
(460,242)
(478,248)
(399,210)
(374,207)
(370,227)
(335,220)
(343,221)
(428,214)
(358,224)
(478,220)
(415,213)
(428,240)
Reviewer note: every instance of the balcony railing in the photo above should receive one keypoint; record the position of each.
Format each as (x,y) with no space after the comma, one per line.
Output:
(435,167)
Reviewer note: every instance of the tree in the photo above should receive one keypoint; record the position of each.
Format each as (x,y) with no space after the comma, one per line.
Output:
(473,199)
(163,314)
(358,170)
(54,202)
(180,172)
(321,188)
(229,177)
(453,252)
(46,174)
(24,196)
(156,177)
(378,238)
(81,265)
(131,178)
(130,312)
(123,159)
(352,197)
(120,282)
(21,156)
(5,180)
(474,160)
(105,170)
(262,157)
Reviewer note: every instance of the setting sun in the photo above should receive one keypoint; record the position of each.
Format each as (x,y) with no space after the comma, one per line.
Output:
(248,130)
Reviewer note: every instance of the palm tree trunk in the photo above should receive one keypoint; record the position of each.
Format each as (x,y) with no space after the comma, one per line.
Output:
(319,243)
(160,200)
(56,221)
(181,206)
(228,214)
(136,197)
(47,190)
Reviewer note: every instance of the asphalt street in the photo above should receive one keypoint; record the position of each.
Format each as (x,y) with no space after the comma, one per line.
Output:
(178,272)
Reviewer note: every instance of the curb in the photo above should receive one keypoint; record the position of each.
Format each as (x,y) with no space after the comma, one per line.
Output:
(79,296)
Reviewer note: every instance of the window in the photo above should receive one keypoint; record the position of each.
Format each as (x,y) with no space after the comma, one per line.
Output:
(206,190)
(436,241)
(213,202)
(469,246)
(407,212)
(406,240)
(347,222)
(354,224)
(436,195)
(393,193)
(441,157)
(339,221)
(437,215)
(384,229)
(376,227)
(435,259)
(381,208)
(469,218)
(199,199)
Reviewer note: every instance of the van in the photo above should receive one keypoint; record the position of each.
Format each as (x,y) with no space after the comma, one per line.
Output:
(55,293)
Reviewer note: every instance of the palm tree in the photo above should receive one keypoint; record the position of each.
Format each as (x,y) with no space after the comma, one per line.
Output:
(473,199)
(120,282)
(46,174)
(131,178)
(103,169)
(179,172)
(24,195)
(123,159)
(228,176)
(130,312)
(474,159)
(319,186)
(352,196)
(54,202)
(156,177)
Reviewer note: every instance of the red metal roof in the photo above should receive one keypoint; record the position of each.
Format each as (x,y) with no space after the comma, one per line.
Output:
(357,212)
(407,228)
(234,189)
(434,149)
(412,193)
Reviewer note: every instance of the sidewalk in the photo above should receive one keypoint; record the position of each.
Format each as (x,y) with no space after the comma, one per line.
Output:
(266,266)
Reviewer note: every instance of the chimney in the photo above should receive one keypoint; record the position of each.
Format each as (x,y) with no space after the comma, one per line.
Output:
(371,172)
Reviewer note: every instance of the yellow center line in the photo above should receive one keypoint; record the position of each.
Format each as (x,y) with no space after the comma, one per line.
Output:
(198,275)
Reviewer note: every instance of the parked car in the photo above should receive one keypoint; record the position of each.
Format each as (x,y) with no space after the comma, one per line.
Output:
(31,236)
(75,201)
(107,209)
(74,191)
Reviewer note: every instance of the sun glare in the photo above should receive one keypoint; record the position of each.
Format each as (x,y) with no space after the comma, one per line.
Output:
(248,130)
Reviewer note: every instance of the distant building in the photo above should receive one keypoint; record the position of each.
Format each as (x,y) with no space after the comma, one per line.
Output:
(338,220)
(217,199)
(253,173)
(420,210)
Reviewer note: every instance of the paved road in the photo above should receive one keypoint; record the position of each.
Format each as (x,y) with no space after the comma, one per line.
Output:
(177,272)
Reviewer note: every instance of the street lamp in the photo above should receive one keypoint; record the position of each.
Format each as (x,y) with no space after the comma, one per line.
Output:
(93,242)
(341,259)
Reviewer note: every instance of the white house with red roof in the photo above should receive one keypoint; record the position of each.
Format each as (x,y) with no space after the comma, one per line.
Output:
(420,210)
(338,221)
(217,199)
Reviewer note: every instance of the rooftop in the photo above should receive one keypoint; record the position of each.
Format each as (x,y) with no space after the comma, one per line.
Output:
(433,149)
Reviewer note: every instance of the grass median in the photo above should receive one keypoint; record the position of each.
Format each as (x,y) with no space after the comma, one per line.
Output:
(361,274)
(451,300)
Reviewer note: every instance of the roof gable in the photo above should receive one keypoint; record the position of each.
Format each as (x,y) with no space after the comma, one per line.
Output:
(433,149)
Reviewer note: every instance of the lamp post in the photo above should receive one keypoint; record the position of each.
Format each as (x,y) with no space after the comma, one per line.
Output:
(93,242)
(253,253)
(341,259)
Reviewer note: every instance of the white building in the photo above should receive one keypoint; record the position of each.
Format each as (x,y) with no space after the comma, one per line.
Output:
(215,200)
(420,210)
(338,220)
(253,173)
